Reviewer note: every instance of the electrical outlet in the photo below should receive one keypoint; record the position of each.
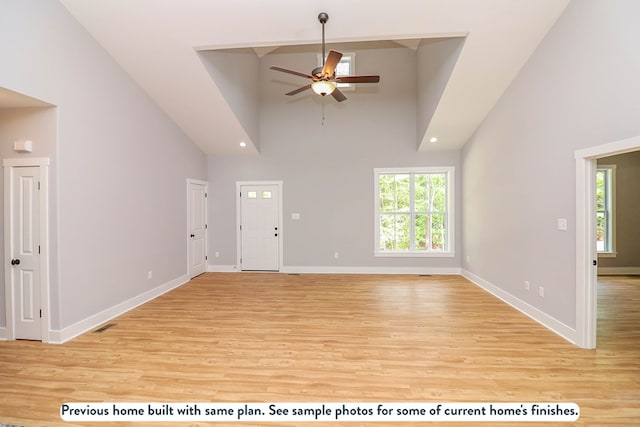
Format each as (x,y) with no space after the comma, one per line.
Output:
(526,285)
(541,291)
(149,274)
(336,255)
(217,254)
(468,259)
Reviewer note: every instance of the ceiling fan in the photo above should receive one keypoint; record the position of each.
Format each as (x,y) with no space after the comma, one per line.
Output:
(323,79)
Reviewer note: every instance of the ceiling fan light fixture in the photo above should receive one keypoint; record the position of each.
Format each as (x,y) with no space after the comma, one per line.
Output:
(323,87)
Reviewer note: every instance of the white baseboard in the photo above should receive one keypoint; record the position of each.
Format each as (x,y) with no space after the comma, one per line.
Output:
(618,271)
(316,269)
(369,270)
(3,333)
(525,308)
(214,268)
(79,328)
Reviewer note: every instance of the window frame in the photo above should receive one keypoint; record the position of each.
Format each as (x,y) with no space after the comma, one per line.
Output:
(450,212)
(609,211)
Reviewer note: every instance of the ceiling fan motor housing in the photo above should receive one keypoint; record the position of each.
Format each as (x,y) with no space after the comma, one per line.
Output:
(317,72)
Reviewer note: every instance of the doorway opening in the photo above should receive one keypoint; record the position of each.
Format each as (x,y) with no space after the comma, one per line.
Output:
(586,242)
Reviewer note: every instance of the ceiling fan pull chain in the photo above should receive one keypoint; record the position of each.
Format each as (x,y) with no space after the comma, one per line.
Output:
(323,116)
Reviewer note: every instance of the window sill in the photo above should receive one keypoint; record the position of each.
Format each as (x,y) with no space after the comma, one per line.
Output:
(416,254)
(607,254)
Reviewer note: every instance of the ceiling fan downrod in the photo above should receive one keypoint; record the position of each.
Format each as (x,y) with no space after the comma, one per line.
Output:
(323,17)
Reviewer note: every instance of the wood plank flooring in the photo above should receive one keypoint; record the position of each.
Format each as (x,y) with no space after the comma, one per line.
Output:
(254,337)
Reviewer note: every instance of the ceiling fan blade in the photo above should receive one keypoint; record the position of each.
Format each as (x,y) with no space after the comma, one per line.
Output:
(358,79)
(295,73)
(300,89)
(338,95)
(331,63)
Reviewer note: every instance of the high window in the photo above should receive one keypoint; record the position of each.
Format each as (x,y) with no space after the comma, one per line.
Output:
(414,211)
(605,190)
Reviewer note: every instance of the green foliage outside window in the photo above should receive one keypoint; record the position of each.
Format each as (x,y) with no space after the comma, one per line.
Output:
(413,211)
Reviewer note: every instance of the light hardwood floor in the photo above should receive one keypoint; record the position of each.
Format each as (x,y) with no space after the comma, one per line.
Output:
(331,338)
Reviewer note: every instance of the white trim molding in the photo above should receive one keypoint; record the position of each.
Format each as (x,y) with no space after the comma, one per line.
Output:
(320,269)
(371,270)
(216,268)
(619,271)
(525,308)
(92,322)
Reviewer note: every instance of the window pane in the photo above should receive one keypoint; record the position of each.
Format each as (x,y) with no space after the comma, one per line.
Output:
(422,232)
(438,189)
(601,237)
(394,192)
(387,232)
(600,190)
(387,192)
(252,195)
(403,183)
(438,232)
(420,196)
(343,67)
(394,232)
(266,194)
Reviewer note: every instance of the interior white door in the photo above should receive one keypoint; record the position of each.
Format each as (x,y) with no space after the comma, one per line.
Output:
(259,227)
(24,253)
(197,227)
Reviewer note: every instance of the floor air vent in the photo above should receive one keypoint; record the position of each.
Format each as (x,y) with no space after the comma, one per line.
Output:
(104,328)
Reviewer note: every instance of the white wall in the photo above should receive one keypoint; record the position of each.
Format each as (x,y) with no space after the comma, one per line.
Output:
(236,76)
(436,60)
(122,164)
(327,165)
(579,89)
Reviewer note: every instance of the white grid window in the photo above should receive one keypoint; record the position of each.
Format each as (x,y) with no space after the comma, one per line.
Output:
(414,211)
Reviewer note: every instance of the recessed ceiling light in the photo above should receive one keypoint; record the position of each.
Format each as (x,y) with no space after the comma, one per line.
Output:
(433,139)
(243,144)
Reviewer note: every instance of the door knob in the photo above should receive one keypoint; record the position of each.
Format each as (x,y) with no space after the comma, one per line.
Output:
(193,235)
(276,234)
(15,262)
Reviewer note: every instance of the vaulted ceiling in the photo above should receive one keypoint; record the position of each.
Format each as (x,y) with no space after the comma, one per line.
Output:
(160,45)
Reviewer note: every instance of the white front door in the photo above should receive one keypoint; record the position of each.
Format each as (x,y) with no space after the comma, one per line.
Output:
(259,227)
(24,253)
(197,227)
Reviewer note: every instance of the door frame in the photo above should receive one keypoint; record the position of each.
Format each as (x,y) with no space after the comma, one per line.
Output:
(206,220)
(586,272)
(239,221)
(43,221)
